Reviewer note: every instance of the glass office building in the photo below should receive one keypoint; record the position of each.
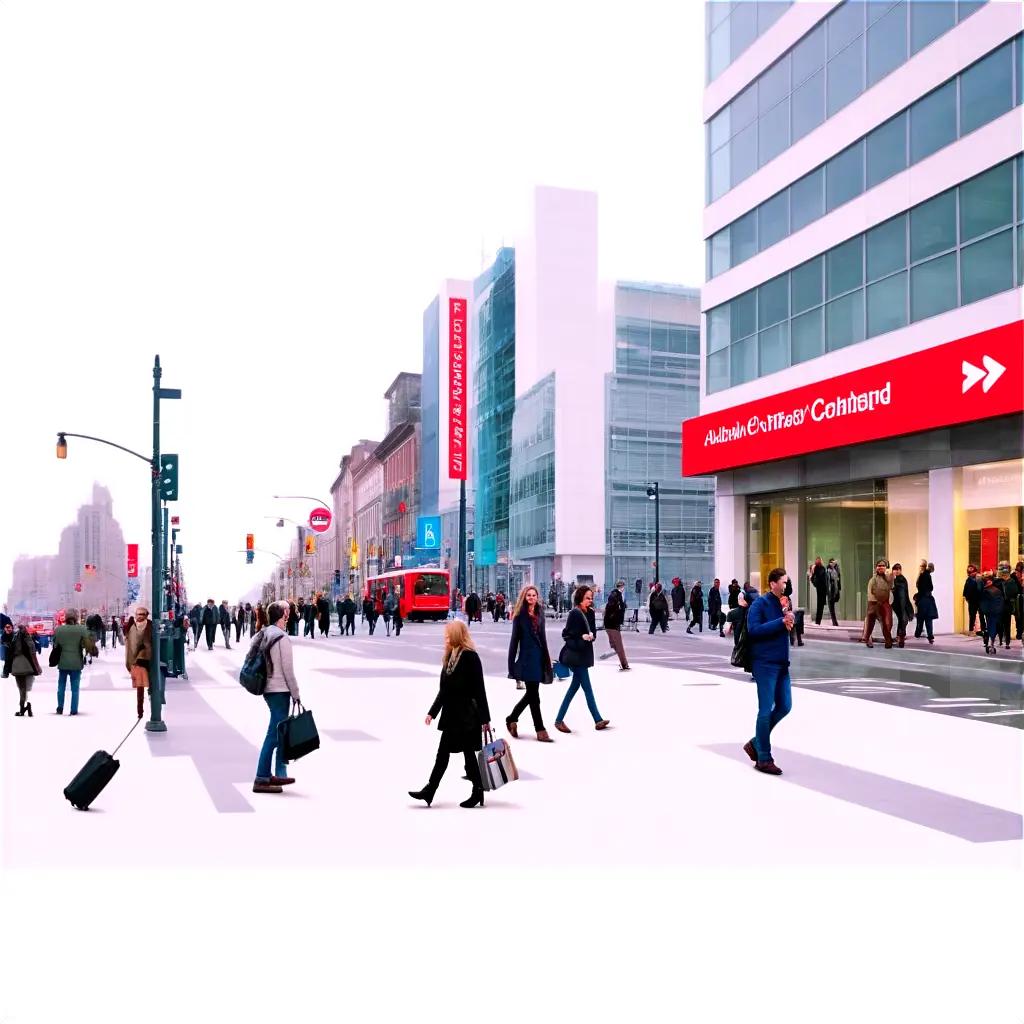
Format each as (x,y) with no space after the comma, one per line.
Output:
(655,385)
(493,384)
(865,205)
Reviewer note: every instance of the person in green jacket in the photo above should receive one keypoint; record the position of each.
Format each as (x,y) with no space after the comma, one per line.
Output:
(73,641)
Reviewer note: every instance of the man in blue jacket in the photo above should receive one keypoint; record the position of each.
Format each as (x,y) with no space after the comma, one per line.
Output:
(768,627)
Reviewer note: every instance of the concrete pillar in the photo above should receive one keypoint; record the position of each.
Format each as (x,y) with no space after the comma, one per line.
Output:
(792,551)
(731,529)
(945,515)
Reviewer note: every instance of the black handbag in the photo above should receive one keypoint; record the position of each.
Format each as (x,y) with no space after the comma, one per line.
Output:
(741,654)
(297,735)
(55,656)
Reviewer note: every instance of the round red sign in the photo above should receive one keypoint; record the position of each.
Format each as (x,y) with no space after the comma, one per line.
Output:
(320,520)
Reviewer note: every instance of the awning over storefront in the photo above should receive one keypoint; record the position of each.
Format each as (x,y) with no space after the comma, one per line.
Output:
(973,378)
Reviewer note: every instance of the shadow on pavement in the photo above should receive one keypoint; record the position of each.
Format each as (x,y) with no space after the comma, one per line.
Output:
(977,823)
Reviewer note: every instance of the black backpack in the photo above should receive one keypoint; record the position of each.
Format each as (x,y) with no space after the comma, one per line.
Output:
(741,654)
(256,667)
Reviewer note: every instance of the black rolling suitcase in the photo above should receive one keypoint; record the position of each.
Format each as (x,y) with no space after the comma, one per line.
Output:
(94,776)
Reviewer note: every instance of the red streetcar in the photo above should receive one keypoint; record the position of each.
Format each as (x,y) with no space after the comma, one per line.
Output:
(422,593)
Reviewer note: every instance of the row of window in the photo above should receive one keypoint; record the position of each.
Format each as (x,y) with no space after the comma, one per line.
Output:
(955,249)
(857,45)
(731,27)
(978,95)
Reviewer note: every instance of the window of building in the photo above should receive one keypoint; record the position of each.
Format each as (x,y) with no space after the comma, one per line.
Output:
(773,220)
(807,284)
(717,371)
(887,150)
(808,108)
(933,287)
(986,89)
(845,24)
(846,75)
(986,267)
(933,122)
(743,237)
(887,42)
(719,245)
(844,176)
(773,132)
(807,199)
(773,348)
(744,315)
(809,54)
(844,321)
(986,202)
(773,86)
(844,267)
(808,336)
(933,226)
(719,332)
(743,361)
(887,304)
(743,153)
(929,19)
(887,247)
(773,301)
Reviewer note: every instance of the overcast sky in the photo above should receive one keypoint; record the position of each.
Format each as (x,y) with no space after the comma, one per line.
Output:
(268,195)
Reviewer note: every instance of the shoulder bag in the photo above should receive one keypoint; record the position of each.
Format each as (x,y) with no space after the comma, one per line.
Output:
(297,735)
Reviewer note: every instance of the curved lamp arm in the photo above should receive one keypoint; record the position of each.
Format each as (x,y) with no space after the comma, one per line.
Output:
(61,434)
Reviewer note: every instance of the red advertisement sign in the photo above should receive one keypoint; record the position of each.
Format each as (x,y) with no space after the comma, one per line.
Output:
(974,378)
(458,391)
(133,560)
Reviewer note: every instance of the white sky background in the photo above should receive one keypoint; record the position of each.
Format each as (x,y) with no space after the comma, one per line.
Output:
(268,195)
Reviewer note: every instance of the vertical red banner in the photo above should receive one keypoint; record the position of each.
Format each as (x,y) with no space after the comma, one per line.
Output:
(458,389)
(133,560)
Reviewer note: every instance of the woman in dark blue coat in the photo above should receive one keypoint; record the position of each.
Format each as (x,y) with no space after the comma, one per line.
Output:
(927,611)
(528,660)
(578,654)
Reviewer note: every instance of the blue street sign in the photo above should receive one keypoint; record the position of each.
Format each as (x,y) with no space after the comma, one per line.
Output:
(428,532)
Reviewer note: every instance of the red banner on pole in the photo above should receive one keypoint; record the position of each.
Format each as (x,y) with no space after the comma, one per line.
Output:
(974,378)
(133,560)
(458,389)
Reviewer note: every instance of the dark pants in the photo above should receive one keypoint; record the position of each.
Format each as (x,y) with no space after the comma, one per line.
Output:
(615,642)
(774,702)
(883,613)
(1004,627)
(238,632)
(372,620)
(441,766)
(196,630)
(350,624)
(991,630)
(278,704)
(211,636)
(325,627)
(820,608)
(832,610)
(926,624)
(972,614)
(398,624)
(698,619)
(531,700)
(796,634)
(658,619)
(226,630)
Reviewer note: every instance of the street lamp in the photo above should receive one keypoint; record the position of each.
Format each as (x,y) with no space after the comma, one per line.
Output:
(156,682)
(654,494)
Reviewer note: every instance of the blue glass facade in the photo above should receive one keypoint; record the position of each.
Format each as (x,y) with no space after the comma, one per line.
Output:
(431,406)
(493,385)
(655,386)
(532,474)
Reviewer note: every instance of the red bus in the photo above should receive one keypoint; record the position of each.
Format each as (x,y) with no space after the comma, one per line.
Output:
(422,593)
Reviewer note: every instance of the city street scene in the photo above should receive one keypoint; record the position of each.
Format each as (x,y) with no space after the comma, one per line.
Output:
(454,440)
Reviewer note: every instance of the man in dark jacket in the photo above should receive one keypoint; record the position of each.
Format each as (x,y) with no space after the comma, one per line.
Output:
(348,606)
(715,617)
(339,607)
(195,619)
(323,610)
(94,623)
(734,593)
(819,581)
(696,607)
(614,616)
(225,623)
(768,627)
(211,619)
(833,587)
(239,619)
(678,595)
(309,618)
(972,595)
(658,607)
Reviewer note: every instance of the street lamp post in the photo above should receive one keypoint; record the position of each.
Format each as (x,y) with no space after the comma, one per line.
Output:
(654,494)
(156,687)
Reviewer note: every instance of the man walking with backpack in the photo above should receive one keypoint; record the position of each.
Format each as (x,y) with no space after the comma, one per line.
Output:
(614,616)
(768,627)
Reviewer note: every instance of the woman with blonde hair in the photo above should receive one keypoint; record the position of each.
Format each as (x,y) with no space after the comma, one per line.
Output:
(462,704)
(138,653)
(528,660)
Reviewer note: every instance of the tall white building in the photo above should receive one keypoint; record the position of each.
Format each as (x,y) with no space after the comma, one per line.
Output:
(861,386)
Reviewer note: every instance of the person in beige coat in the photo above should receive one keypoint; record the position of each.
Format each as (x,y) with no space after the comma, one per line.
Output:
(282,688)
(879,605)
(138,653)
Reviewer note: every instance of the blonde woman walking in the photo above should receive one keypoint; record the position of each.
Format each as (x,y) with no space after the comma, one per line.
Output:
(462,704)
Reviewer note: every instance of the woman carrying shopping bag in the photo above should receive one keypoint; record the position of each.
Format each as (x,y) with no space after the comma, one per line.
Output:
(138,653)
(528,660)
(21,662)
(578,654)
(462,704)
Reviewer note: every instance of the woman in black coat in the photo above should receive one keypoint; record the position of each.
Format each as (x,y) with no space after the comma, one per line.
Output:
(369,613)
(734,594)
(578,654)
(927,611)
(902,609)
(528,660)
(715,616)
(21,662)
(462,703)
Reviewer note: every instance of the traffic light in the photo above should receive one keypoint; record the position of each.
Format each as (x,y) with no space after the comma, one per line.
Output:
(169,477)
(249,557)
(311,545)
(337,577)
(250,542)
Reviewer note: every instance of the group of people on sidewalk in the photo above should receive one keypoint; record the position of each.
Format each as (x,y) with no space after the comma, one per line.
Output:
(993,600)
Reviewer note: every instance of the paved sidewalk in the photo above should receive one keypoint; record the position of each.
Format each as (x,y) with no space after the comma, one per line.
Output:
(866,783)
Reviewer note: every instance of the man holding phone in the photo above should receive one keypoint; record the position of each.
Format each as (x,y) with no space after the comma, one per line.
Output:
(769,626)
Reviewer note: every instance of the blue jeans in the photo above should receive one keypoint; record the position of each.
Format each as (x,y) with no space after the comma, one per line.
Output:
(62,678)
(774,702)
(580,677)
(279,704)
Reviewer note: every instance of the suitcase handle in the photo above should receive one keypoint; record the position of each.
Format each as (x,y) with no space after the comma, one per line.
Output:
(130,731)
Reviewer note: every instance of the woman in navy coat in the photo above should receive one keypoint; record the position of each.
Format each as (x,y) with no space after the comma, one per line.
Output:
(528,660)
(927,610)
(461,702)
